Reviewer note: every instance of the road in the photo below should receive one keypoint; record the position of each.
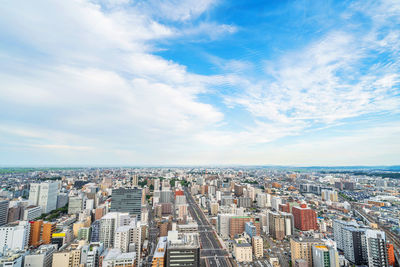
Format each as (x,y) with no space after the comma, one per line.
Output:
(153,234)
(211,250)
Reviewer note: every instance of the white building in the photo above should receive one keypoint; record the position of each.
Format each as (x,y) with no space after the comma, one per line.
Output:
(93,254)
(223,225)
(262,200)
(324,256)
(44,195)
(32,212)
(376,248)
(276,201)
(114,257)
(42,257)
(14,236)
(108,226)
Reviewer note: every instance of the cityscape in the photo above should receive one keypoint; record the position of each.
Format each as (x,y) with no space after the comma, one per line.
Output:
(200,133)
(217,216)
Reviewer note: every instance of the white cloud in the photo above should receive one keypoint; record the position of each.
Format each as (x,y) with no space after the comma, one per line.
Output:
(177,10)
(89,85)
(329,80)
(97,83)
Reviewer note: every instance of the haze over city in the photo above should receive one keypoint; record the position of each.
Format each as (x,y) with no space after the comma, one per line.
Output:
(183,82)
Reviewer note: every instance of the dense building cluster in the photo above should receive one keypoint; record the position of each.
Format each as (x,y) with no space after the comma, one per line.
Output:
(198,217)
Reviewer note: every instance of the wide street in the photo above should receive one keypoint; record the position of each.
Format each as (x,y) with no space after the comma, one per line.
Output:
(211,251)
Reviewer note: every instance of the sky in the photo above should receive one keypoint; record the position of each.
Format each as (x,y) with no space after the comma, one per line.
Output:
(179,82)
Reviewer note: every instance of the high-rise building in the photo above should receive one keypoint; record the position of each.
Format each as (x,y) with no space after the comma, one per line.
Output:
(159,253)
(134,180)
(13,214)
(95,231)
(305,219)
(237,224)
(127,200)
(329,195)
(301,248)
(84,233)
(108,226)
(275,202)
(62,200)
(14,236)
(223,224)
(376,248)
(258,246)
(280,224)
(354,246)
(324,256)
(93,255)
(128,238)
(166,196)
(390,253)
(338,226)
(48,229)
(262,200)
(214,207)
(35,237)
(75,204)
(32,212)
(44,195)
(239,190)
(4,211)
(183,250)
(250,229)
(244,202)
(156,184)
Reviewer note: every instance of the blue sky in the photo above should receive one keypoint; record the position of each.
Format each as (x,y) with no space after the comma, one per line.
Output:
(102,82)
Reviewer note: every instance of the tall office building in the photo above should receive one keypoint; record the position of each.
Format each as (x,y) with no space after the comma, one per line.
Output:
(280,224)
(127,200)
(354,246)
(134,180)
(35,237)
(324,256)
(262,200)
(44,195)
(4,211)
(128,238)
(301,248)
(305,219)
(276,201)
(338,226)
(32,212)
(183,250)
(376,248)
(48,229)
(75,204)
(166,196)
(156,184)
(223,224)
(108,226)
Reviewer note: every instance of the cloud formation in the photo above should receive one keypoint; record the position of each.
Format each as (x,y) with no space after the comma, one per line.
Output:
(84,82)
